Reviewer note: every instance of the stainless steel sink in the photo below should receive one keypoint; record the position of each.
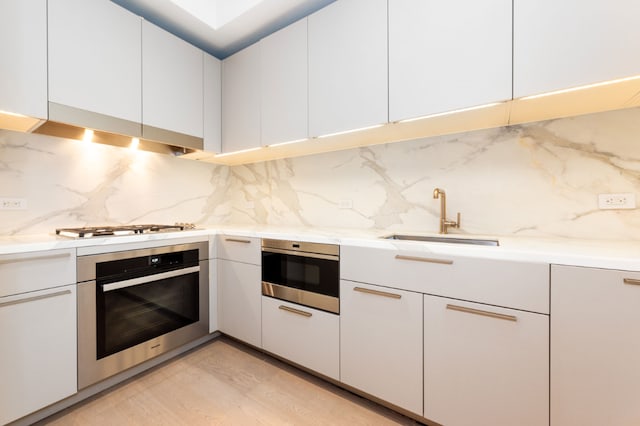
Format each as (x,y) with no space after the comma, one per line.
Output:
(450,240)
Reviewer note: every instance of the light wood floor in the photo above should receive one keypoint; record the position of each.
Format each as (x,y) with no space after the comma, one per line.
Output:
(226,383)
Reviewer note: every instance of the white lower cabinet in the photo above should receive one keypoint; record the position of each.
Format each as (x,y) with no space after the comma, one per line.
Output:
(381,343)
(38,349)
(595,347)
(485,365)
(240,301)
(303,335)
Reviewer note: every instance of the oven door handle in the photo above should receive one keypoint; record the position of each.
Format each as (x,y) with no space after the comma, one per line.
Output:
(301,253)
(149,278)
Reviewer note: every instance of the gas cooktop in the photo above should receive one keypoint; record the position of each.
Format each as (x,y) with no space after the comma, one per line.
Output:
(101,231)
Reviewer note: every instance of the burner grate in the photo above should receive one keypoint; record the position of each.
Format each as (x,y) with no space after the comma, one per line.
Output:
(101,231)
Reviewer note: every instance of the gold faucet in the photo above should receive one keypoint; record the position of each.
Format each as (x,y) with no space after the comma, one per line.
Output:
(444,223)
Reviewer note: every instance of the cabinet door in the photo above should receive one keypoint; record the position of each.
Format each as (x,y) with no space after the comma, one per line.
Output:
(558,45)
(212,98)
(348,66)
(303,335)
(23,58)
(381,343)
(172,83)
(447,55)
(38,356)
(595,347)
(484,365)
(241,100)
(95,58)
(284,87)
(239,288)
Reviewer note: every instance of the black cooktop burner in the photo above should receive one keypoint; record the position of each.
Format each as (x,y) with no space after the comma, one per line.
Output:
(99,231)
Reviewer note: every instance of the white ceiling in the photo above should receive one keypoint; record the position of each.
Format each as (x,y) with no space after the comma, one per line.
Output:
(222,27)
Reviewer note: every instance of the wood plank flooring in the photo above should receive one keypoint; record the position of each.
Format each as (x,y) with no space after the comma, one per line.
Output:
(226,383)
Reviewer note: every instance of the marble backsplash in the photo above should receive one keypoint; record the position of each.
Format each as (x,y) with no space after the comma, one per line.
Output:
(539,179)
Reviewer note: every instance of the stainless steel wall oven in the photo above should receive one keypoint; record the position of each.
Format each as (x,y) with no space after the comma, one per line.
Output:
(137,304)
(302,272)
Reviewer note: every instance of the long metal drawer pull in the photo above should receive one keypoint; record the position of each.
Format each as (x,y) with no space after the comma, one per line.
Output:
(481,312)
(424,259)
(42,257)
(235,240)
(34,298)
(149,278)
(295,311)
(631,281)
(378,293)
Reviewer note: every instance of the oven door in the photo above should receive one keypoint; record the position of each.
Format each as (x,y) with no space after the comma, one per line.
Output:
(124,323)
(305,278)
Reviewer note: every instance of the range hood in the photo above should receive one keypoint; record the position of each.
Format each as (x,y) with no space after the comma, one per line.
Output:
(73,123)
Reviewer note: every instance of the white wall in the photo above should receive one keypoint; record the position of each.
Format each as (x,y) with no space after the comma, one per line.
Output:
(540,179)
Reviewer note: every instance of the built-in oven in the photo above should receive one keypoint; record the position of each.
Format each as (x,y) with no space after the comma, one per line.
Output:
(302,272)
(137,304)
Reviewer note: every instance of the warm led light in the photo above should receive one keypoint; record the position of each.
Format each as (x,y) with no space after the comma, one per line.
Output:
(134,143)
(351,131)
(587,86)
(88,135)
(440,114)
(242,151)
(286,143)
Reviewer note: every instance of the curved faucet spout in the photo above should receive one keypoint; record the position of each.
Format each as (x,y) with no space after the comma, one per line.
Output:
(444,223)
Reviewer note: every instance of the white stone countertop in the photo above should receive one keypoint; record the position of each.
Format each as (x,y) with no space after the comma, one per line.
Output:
(623,255)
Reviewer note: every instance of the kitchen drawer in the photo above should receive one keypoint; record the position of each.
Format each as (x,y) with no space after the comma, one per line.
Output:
(519,285)
(303,335)
(24,272)
(239,249)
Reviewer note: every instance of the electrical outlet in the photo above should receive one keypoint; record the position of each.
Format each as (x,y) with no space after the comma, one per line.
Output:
(345,204)
(13,203)
(616,201)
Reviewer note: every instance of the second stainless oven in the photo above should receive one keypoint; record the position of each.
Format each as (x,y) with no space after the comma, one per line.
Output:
(302,272)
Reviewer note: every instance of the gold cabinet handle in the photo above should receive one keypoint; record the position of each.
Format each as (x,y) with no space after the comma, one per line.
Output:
(295,311)
(378,293)
(481,312)
(631,281)
(34,298)
(235,240)
(425,259)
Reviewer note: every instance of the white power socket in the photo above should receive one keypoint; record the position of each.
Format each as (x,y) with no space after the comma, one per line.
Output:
(345,204)
(616,201)
(13,203)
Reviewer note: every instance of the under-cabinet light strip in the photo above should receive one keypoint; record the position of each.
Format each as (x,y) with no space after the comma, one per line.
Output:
(440,114)
(577,88)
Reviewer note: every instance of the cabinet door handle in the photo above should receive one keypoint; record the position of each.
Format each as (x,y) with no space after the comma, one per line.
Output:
(378,293)
(34,298)
(631,281)
(424,259)
(40,257)
(235,240)
(481,312)
(295,311)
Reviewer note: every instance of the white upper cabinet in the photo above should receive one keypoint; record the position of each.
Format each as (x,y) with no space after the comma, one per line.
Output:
(348,66)
(563,44)
(95,58)
(212,95)
(448,55)
(241,100)
(283,88)
(172,83)
(23,57)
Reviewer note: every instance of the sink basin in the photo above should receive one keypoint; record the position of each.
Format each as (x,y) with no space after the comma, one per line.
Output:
(450,240)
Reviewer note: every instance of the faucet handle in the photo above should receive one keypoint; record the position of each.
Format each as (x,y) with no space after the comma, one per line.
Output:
(457,225)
